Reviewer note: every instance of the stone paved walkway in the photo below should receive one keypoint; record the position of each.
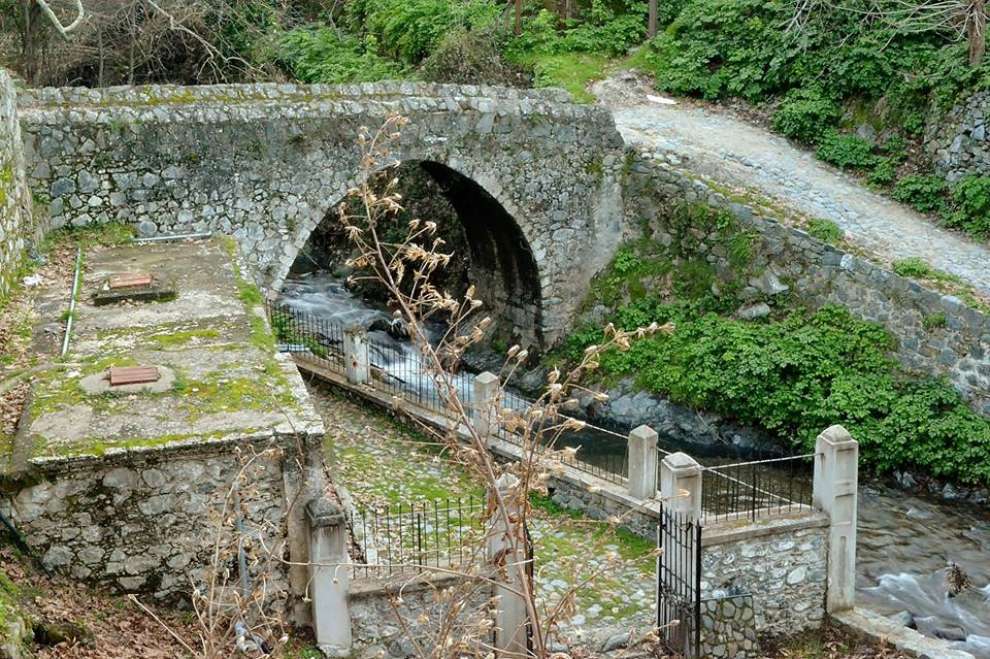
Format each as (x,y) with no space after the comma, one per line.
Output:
(730,151)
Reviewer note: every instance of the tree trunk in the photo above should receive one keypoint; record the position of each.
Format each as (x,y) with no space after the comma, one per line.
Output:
(518,25)
(651,28)
(976,23)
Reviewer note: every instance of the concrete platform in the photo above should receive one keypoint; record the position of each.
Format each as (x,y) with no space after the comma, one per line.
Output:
(221,377)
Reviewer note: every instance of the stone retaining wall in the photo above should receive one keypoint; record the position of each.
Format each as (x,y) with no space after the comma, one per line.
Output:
(728,628)
(267,162)
(787,258)
(959,142)
(146,521)
(17,228)
(380,611)
(781,563)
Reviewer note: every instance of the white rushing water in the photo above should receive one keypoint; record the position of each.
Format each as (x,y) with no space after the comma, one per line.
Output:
(905,542)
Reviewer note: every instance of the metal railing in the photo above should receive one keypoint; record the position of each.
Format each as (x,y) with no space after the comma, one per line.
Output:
(679,583)
(760,488)
(406,539)
(401,372)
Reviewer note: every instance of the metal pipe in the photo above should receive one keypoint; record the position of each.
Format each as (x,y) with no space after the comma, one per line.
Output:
(174,236)
(72,303)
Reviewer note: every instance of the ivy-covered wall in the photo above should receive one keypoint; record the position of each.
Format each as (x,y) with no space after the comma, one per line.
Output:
(16,226)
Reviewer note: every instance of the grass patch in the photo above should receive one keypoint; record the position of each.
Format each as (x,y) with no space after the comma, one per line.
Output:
(570,71)
(176,339)
(824,230)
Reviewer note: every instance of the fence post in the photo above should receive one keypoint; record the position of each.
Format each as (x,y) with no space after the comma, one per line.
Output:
(356,362)
(680,538)
(485,400)
(329,577)
(680,485)
(835,493)
(643,462)
(506,552)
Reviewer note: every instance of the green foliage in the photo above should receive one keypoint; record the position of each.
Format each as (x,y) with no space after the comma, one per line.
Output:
(884,172)
(409,30)
(805,114)
(915,267)
(604,29)
(824,230)
(796,377)
(934,321)
(924,193)
(971,205)
(846,151)
(570,71)
(326,55)
(470,57)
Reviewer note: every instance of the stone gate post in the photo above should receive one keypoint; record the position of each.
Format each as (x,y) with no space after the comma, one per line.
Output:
(680,485)
(835,493)
(356,363)
(329,577)
(643,462)
(485,398)
(506,551)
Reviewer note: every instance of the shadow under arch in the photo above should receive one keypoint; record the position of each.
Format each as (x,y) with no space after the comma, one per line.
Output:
(501,262)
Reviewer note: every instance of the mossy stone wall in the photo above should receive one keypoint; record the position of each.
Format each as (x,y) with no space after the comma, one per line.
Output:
(16,225)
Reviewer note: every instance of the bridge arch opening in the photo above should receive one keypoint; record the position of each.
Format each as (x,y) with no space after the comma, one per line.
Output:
(489,246)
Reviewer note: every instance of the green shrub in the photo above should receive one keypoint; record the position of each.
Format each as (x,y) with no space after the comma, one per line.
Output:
(409,30)
(846,151)
(796,377)
(924,193)
(805,115)
(471,57)
(324,55)
(914,266)
(883,173)
(824,230)
(971,205)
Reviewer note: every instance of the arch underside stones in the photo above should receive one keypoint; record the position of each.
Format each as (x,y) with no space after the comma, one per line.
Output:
(264,163)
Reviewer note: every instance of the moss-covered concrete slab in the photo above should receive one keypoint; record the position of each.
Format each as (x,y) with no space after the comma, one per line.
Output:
(228,382)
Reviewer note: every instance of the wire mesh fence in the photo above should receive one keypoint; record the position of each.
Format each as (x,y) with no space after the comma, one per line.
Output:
(410,538)
(756,489)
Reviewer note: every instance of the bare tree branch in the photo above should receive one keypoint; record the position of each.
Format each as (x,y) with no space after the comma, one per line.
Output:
(64,30)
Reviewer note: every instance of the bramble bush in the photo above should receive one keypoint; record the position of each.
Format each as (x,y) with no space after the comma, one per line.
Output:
(324,55)
(846,151)
(925,193)
(971,205)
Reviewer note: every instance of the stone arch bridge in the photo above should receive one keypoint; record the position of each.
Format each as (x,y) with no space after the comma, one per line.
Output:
(535,178)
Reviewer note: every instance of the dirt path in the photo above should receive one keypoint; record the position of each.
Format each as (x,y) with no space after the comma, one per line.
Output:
(726,149)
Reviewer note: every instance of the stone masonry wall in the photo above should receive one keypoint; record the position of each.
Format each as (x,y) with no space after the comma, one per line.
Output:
(378,630)
(16,224)
(147,521)
(959,142)
(266,162)
(784,571)
(728,628)
(789,258)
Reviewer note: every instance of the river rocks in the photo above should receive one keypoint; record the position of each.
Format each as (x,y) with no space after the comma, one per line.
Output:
(904,618)
(753,311)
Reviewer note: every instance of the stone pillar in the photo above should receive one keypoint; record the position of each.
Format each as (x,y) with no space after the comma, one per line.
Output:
(329,577)
(680,488)
(506,551)
(680,485)
(835,493)
(356,363)
(643,463)
(485,397)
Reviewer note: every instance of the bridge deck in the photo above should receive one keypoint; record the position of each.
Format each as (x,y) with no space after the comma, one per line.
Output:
(219,376)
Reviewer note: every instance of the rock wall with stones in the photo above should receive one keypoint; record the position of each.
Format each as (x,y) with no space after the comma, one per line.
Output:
(728,628)
(786,258)
(266,162)
(147,521)
(785,570)
(16,223)
(958,142)
(378,618)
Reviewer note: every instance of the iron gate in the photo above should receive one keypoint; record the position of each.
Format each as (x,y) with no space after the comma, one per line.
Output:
(679,583)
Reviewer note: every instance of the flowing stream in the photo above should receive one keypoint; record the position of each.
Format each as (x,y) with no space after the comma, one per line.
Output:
(906,543)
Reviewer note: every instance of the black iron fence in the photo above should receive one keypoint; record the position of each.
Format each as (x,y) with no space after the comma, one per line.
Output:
(761,488)
(679,583)
(400,371)
(411,538)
